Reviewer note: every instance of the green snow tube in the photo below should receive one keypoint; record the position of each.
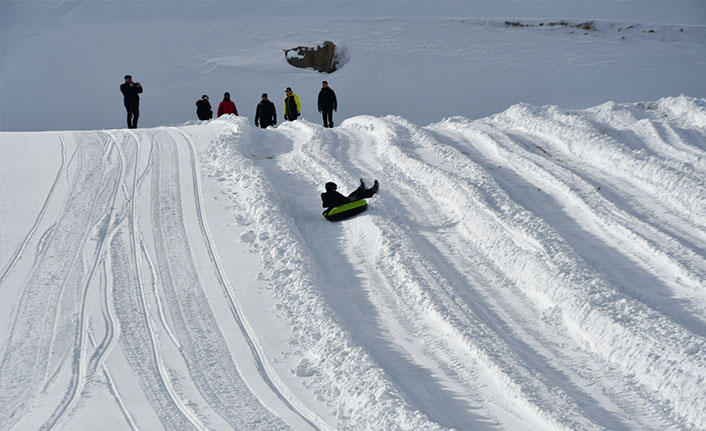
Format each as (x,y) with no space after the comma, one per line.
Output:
(342,212)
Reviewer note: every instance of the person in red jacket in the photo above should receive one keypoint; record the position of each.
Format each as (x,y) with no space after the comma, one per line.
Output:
(227,106)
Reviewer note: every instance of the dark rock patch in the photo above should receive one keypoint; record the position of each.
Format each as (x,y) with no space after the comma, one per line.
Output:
(588,25)
(325,58)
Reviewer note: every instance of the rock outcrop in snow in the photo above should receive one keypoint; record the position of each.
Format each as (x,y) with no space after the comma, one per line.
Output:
(322,58)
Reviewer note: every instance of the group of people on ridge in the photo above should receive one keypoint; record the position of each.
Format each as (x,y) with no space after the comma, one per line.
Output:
(265,113)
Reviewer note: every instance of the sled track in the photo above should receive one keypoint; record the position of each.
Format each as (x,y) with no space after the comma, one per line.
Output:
(637,199)
(137,337)
(114,391)
(196,328)
(451,303)
(324,154)
(78,369)
(641,246)
(547,345)
(465,170)
(42,331)
(20,248)
(101,350)
(605,214)
(285,258)
(263,367)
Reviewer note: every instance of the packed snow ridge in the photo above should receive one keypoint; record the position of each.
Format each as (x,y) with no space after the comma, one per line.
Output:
(541,268)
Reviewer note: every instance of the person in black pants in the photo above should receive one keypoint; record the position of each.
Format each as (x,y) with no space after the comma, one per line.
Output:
(203,108)
(332,198)
(327,103)
(292,106)
(265,114)
(131,91)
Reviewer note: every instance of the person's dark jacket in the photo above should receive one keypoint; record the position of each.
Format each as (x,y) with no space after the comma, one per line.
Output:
(333,199)
(265,114)
(203,109)
(327,99)
(130,94)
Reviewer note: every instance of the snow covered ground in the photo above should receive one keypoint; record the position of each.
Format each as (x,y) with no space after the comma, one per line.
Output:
(537,269)
(540,268)
(63,61)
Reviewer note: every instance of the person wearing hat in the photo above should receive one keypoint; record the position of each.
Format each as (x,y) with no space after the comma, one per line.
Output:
(131,99)
(292,107)
(332,198)
(203,108)
(227,106)
(265,114)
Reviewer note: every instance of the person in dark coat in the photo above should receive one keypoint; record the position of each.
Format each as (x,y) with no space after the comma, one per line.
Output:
(265,114)
(131,98)
(227,106)
(327,103)
(292,107)
(203,108)
(332,198)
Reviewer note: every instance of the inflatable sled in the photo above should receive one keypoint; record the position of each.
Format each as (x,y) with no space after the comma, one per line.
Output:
(343,212)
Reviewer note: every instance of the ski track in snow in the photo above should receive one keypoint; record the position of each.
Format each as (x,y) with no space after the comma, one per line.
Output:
(16,255)
(202,344)
(112,186)
(44,328)
(541,268)
(265,371)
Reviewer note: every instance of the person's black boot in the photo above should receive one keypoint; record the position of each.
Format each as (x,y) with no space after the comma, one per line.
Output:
(375,187)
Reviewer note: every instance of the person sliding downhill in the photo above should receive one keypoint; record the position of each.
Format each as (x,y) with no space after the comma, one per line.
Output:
(331,198)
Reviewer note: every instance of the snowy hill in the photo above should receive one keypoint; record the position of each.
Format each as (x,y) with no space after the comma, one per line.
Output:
(535,258)
(537,269)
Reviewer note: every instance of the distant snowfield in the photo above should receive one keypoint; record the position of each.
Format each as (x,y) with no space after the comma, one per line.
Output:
(541,268)
(62,61)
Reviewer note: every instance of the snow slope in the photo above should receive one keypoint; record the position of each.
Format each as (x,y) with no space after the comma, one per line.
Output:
(541,268)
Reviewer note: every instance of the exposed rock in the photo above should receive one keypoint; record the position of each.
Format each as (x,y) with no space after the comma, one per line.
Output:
(322,58)
(588,25)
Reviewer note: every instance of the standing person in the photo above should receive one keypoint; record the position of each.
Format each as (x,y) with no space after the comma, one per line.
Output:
(292,107)
(227,106)
(327,103)
(265,113)
(203,108)
(131,98)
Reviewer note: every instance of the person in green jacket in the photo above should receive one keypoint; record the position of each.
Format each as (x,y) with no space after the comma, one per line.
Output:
(292,107)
